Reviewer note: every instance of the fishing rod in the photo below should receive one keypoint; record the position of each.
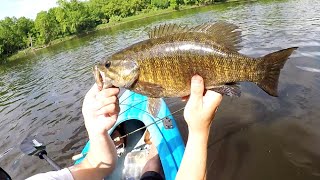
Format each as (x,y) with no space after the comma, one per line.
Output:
(34,147)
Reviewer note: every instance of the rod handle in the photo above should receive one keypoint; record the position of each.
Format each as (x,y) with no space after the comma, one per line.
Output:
(43,155)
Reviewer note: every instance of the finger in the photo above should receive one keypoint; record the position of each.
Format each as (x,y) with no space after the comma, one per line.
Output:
(107,93)
(106,101)
(212,100)
(93,90)
(114,117)
(108,123)
(116,110)
(197,88)
(110,109)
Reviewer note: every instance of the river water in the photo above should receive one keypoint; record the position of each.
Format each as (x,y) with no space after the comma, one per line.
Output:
(253,137)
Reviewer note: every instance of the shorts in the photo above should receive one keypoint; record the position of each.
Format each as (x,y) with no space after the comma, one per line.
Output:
(151,175)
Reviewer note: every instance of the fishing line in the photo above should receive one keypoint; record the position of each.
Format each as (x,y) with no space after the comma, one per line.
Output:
(126,98)
(144,127)
(133,107)
(117,139)
(121,103)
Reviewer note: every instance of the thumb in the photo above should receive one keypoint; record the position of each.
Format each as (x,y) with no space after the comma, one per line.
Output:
(197,88)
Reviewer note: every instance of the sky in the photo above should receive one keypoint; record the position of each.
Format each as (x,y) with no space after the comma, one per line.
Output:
(26,8)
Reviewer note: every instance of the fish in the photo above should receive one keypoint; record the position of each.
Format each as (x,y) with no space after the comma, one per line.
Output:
(163,65)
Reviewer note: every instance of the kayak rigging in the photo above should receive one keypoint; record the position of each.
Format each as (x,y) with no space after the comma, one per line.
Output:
(144,127)
(117,139)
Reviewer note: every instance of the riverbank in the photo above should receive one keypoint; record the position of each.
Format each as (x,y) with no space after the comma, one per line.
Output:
(111,23)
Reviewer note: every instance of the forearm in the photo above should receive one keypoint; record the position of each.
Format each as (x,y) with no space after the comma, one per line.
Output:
(100,160)
(193,165)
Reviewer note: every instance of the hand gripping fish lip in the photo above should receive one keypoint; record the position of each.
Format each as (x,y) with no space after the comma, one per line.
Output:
(102,81)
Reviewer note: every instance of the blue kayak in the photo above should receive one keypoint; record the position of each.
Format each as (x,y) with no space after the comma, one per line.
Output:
(135,113)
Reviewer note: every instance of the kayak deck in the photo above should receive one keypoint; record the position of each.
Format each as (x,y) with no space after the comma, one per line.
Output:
(169,143)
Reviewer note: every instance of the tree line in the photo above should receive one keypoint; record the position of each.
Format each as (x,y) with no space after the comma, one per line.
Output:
(74,17)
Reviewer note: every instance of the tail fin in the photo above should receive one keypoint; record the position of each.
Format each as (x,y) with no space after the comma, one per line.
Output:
(273,63)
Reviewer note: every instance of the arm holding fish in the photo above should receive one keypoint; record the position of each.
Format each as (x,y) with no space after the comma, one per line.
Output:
(199,113)
(100,110)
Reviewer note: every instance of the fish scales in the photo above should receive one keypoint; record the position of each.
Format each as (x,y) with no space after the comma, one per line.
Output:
(163,65)
(158,67)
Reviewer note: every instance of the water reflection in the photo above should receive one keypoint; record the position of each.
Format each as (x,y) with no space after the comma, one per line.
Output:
(253,137)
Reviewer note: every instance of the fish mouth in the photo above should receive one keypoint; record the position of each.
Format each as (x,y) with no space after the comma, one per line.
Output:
(102,81)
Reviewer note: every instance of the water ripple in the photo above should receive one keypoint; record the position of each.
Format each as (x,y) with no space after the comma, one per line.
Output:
(43,94)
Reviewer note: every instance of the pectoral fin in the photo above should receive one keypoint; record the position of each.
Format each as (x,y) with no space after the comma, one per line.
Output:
(154,105)
(150,89)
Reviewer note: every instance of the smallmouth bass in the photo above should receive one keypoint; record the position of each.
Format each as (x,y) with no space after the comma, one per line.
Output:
(162,66)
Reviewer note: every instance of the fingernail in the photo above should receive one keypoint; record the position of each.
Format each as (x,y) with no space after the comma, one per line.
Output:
(196,79)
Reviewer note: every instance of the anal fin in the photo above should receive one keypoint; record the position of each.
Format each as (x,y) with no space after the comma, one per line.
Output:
(230,89)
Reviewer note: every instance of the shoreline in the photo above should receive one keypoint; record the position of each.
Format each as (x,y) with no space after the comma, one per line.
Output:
(28,51)
(25,52)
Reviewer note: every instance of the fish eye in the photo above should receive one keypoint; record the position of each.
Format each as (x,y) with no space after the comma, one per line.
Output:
(107,65)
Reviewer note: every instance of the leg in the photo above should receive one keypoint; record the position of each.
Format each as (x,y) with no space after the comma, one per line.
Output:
(153,168)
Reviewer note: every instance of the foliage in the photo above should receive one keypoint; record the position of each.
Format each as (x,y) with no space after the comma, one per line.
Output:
(15,35)
(72,17)
(174,4)
(160,4)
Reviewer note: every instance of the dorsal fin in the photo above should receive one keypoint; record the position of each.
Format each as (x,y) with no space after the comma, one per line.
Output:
(222,33)
(167,29)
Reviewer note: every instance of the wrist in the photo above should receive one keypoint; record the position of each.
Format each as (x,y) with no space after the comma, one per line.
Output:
(102,149)
(199,132)
(198,139)
(98,136)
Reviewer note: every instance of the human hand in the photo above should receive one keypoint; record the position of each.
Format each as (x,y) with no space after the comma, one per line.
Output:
(200,109)
(100,110)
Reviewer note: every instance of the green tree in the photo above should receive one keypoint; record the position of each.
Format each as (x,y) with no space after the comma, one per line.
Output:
(45,27)
(174,4)
(12,42)
(73,17)
(62,20)
(190,2)
(76,16)
(160,4)
(96,8)
(14,35)
(25,29)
